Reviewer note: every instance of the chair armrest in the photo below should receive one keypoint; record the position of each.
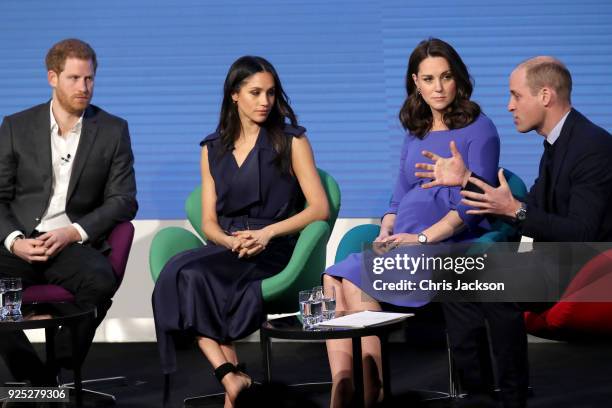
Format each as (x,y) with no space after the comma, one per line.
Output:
(120,241)
(491,237)
(352,242)
(298,272)
(167,243)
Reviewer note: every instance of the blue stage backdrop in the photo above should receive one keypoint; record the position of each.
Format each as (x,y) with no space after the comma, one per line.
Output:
(162,65)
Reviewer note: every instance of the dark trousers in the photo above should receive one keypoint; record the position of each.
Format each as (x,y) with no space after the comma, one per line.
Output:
(467,332)
(540,277)
(83,271)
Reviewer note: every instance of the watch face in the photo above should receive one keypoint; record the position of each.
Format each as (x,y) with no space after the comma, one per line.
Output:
(422,238)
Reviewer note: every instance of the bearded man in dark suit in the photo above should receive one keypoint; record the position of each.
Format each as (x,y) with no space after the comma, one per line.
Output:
(66,180)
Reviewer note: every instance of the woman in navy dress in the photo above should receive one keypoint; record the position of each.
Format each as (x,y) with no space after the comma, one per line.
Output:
(257,174)
(437,110)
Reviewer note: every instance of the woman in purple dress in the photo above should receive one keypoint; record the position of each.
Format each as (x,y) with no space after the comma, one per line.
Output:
(257,171)
(437,110)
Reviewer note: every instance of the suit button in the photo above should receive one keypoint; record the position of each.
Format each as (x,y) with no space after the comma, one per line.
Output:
(37,220)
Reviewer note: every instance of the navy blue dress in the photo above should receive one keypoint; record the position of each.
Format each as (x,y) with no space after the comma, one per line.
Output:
(209,291)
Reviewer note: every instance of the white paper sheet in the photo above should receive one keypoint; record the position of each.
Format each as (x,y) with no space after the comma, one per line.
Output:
(364,319)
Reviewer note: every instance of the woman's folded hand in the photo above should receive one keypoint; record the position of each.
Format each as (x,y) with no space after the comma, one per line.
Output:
(252,242)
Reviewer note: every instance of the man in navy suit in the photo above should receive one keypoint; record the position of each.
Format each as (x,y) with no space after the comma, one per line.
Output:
(571,201)
(66,180)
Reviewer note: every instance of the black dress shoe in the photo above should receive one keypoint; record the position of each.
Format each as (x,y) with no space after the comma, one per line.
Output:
(47,377)
(476,401)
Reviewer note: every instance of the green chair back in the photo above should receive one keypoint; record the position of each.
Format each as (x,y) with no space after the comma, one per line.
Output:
(193,209)
(355,239)
(517,186)
(307,263)
(502,231)
(333,196)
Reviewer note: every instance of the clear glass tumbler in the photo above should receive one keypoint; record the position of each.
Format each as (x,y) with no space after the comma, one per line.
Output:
(2,308)
(317,304)
(305,299)
(11,299)
(329,303)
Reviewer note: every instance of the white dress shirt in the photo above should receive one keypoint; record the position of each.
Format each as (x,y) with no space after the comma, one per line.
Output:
(63,152)
(554,134)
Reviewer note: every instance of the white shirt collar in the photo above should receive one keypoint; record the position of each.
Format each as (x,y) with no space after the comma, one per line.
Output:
(556,131)
(55,127)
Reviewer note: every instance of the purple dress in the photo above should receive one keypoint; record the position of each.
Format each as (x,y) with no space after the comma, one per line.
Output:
(209,291)
(418,208)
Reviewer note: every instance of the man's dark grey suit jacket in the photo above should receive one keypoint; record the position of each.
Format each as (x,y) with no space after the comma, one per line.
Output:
(102,187)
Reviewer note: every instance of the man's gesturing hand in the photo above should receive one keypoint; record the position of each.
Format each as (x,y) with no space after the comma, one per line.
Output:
(497,201)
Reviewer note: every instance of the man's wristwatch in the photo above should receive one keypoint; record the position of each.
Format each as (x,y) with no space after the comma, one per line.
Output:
(521,213)
(422,238)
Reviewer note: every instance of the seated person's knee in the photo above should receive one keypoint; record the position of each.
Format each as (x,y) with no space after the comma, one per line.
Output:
(103,280)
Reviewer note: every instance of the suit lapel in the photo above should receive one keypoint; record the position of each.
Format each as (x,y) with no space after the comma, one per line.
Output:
(561,146)
(88,134)
(41,131)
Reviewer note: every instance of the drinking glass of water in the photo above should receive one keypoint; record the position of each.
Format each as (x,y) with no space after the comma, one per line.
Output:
(11,299)
(2,309)
(329,303)
(317,304)
(305,298)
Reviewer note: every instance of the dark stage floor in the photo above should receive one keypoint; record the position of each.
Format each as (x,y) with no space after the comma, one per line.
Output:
(563,375)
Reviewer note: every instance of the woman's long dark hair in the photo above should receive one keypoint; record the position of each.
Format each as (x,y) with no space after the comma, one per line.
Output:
(229,121)
(415,114)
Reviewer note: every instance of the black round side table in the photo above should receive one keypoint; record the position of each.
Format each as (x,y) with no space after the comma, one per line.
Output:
(290,328)
(50,316)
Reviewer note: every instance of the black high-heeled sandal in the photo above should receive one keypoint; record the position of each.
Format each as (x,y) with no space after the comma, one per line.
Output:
(218,398)
(241,367)
(224,369)
(227,368)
